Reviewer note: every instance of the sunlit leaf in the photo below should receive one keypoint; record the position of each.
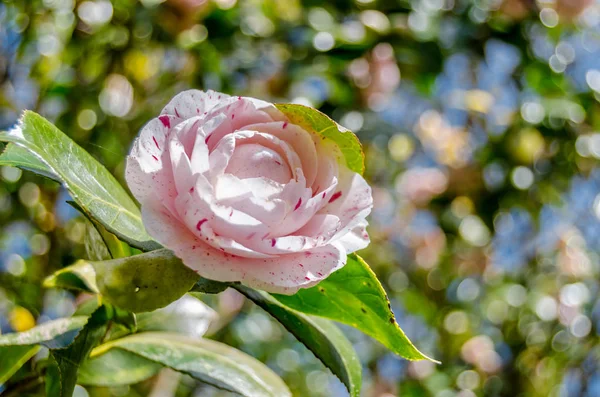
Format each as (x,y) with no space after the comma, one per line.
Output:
(354,296)
(53,334)
(116,367)
(319,335)
(144,282)
(67,360)
(212,362)
(312,120)
(17,156)
(79,276)
(91,185)
(13,357)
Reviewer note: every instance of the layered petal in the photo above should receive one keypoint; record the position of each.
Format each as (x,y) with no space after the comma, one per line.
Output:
(240,194)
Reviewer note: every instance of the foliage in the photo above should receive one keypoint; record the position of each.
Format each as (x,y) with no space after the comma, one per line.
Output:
(477,121)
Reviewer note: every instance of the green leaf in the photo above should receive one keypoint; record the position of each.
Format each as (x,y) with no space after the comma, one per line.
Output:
(17,156)
(90,184)
(67,360)
(354,296)
(312,120)
(144,282)
(209,361)
(12,358)
(100,244)
(53,334)
(319,335)
(116,367)
(79,276)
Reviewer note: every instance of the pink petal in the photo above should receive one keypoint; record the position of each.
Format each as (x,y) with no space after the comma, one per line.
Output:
(300,140)
(353,200)
(356,239)
(285,274)
(191,103)
(245,195)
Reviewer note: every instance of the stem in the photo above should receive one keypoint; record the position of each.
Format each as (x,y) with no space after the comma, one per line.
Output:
(18,388)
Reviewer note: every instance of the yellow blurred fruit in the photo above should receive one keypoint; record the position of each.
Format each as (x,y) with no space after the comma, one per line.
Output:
(21,319)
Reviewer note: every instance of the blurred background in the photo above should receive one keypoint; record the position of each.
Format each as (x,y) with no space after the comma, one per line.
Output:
(481,129)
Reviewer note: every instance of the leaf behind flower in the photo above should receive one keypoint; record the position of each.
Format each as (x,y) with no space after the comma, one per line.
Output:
(44,149)
(354,296)
(313,120)
(209,361)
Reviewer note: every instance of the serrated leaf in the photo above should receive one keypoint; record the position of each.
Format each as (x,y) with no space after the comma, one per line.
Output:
(115,368)
(354,296)
(319,335)
(17,156)
(91,185)
(67,360)
(144,282)
(313,120)
(209,361)
(79,276)
(13,357)
(53,334)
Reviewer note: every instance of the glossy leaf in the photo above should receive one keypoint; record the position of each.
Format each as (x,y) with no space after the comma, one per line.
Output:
(13,357)
(67,360)
(212,362)
(100,244)
(354,296)
(319,335)
(313,120)
(53,334)
(116,367)
(91,185)
(17,156)
(79,276)
(144,282)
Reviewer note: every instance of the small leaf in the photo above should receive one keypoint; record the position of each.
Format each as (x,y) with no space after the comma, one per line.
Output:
(91,185)
(53,334)
(312,120)
(17,156)
(354,296)
(13,357)
(144,282)
(115,368)
(67,360)
(79,276)
(209,361)
(319,335)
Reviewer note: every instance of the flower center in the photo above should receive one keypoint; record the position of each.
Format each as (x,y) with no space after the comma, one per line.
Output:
(255,161)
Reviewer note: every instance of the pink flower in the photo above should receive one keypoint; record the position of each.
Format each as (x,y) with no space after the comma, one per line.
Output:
(241,194)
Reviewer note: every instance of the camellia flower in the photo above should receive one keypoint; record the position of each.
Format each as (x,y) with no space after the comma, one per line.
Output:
(239,193)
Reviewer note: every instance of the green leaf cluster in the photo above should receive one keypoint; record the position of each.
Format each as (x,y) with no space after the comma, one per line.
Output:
(131,330)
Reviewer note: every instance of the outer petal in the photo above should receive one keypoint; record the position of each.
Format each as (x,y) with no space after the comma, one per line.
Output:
(356,239)
(148,171)
(351,202)
(192,103)
(284,274)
